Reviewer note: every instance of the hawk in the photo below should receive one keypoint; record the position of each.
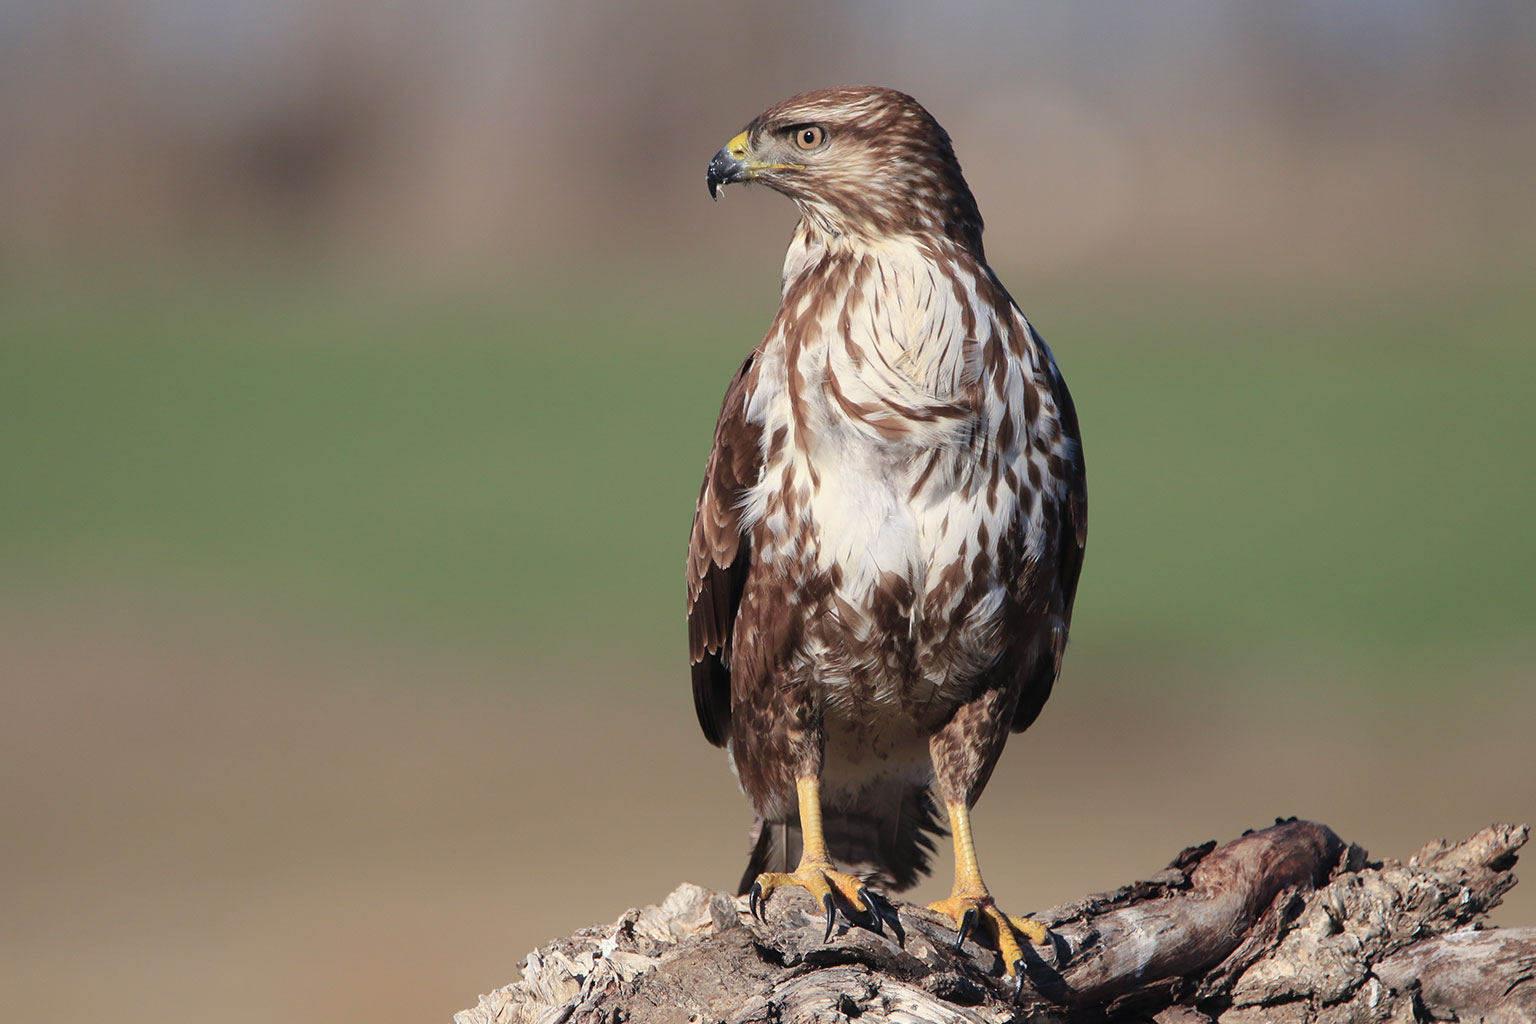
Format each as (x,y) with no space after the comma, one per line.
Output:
(888,538)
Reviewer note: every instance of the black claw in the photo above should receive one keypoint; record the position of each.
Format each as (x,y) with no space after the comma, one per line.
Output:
(967,922)
(876,921)
(1018,979)
(884,913)
(755,899)
(826,901)
(897,930)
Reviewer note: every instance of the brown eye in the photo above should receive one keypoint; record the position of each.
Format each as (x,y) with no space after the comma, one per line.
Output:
(809,137)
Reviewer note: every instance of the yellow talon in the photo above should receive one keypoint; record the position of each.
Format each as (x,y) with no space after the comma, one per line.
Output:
(970,904)
(1003,930)
(1036,932)
(821,879)
(816,872)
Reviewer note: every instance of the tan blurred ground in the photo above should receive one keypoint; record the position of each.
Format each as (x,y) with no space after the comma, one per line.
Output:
(208,817)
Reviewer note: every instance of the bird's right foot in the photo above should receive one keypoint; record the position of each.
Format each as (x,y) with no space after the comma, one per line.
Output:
(821,880)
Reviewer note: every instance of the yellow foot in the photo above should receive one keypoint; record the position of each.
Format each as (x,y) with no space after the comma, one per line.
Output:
(969,911)
(822,880)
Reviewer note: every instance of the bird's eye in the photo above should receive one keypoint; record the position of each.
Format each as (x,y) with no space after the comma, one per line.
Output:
(809,137)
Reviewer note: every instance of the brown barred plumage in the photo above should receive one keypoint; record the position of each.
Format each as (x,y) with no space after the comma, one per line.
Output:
(888,539)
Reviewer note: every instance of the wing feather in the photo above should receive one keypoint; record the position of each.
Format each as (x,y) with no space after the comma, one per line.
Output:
(720,555)
(1069,544)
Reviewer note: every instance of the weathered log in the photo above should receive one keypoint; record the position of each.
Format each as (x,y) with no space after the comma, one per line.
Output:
(1288,924)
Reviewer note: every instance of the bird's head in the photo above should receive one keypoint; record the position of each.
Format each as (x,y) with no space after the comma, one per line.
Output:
(859,161)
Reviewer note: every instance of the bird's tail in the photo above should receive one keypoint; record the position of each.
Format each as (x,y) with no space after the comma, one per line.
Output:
(776,847)
(887,841)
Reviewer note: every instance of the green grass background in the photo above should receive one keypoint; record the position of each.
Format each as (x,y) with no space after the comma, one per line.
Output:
(1270,477)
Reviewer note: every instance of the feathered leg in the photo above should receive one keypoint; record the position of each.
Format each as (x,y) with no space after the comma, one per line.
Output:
(964,753)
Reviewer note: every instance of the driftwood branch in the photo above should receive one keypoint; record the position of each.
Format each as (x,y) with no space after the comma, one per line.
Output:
(1288,924)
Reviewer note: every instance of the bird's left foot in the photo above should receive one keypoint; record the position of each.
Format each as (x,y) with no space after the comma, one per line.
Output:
(971,912)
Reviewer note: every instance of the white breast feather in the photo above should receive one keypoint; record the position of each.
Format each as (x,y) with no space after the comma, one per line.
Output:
(915,354)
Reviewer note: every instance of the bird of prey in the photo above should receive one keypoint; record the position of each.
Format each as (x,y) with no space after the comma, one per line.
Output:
(888,539)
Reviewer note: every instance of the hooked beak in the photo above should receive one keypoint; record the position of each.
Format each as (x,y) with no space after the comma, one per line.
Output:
(728,165)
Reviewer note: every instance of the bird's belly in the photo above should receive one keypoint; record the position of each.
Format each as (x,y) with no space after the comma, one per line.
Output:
(861,758)
(866,529)
(885,648)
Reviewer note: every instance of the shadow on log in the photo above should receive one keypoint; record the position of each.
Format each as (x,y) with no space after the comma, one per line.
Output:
(1288,924)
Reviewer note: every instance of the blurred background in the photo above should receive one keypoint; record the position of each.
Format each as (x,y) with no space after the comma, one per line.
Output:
(358,362)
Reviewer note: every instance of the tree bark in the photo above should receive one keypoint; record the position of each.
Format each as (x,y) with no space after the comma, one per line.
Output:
(1281,926)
